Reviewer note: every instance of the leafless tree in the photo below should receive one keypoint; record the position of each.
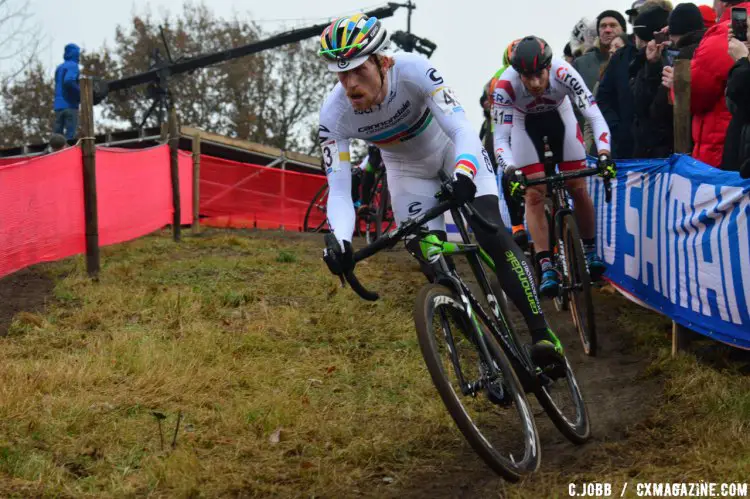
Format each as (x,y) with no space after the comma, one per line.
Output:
(20,38)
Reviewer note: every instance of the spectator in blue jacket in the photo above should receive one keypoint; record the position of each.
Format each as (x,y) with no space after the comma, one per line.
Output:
(67,93)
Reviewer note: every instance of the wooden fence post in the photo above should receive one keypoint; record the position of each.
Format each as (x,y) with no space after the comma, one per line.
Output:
(681,335)
(174,141)
(196,180)
(88,149)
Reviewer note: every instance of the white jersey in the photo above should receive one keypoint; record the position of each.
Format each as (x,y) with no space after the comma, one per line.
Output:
(419,117)
(511,101)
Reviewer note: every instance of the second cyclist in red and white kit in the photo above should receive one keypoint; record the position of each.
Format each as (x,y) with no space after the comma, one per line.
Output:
(532,100)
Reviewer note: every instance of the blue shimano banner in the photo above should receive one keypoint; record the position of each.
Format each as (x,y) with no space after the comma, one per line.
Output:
(677,237)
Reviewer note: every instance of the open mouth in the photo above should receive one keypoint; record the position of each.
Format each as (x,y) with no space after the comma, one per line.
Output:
(357,98)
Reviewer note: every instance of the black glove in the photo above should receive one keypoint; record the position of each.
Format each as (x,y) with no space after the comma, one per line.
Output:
(607,167)
(515,188)
(339,262)
(464,188)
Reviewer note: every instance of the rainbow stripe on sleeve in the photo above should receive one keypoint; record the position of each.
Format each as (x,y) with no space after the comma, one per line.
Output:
(467,164)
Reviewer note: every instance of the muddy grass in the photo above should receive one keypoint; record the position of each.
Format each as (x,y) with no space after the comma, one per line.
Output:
(292,387)
(27,290)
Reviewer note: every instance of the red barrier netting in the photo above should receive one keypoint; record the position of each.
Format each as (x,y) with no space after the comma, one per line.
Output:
(11,161)
(242,195)
(41,210)
(134,192)
(41,202)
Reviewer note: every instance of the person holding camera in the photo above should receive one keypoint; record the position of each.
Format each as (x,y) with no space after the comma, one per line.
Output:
(654,134)
(652,120)
(737,145)
(709,72)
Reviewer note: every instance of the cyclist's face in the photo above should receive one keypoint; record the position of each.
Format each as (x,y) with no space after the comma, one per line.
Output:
(362,84)
(536,83)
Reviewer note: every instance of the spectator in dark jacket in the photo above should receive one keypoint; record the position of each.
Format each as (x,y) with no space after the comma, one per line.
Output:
(652,120)
(653,127)
(615,100)
(709,71)
(67,93)
(737,145)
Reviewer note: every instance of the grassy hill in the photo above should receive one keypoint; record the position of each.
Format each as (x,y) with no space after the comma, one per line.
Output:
(286,385)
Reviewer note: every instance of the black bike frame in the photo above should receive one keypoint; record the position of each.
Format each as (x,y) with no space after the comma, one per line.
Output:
(557,193)
(445,275)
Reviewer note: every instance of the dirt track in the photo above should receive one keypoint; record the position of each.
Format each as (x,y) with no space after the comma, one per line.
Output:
(617,394)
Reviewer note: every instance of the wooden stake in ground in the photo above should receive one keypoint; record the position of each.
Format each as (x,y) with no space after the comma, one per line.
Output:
(196,180)
(88,150)
(682,144)
(174,141)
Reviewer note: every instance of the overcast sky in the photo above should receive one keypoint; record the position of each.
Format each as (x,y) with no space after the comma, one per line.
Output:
(470,34)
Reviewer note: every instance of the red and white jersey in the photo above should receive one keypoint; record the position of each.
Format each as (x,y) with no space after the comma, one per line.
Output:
(511,101)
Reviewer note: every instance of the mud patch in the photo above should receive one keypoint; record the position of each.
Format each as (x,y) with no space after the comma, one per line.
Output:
(27,290)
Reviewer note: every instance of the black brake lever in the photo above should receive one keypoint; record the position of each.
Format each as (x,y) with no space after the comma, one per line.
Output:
(607,189)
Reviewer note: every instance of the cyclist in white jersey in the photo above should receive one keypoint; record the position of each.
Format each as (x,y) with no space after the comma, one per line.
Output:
(402,105)
(531,101)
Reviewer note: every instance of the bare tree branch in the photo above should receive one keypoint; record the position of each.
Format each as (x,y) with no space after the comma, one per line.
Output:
(21,40)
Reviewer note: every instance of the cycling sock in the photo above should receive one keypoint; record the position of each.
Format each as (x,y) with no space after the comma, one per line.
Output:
(545,260)
(589,245)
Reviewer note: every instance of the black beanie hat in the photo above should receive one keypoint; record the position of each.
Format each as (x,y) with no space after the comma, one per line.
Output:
(649,21)
(686,17)
(611,13)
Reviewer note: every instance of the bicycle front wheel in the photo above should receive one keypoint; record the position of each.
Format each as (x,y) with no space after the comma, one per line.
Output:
(579,286)
(563,402)
(488,405)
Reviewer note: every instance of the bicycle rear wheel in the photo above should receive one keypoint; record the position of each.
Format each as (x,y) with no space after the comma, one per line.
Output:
(579,286)
(491,410)
(316,218)
(561,399)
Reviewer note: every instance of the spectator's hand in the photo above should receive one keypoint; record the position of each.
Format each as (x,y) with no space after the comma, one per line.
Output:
(667,76)
(653,51)
(731,36)
(737,49)
(616,45)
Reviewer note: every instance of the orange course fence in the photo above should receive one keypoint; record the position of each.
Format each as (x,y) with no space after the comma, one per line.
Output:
(41,202)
